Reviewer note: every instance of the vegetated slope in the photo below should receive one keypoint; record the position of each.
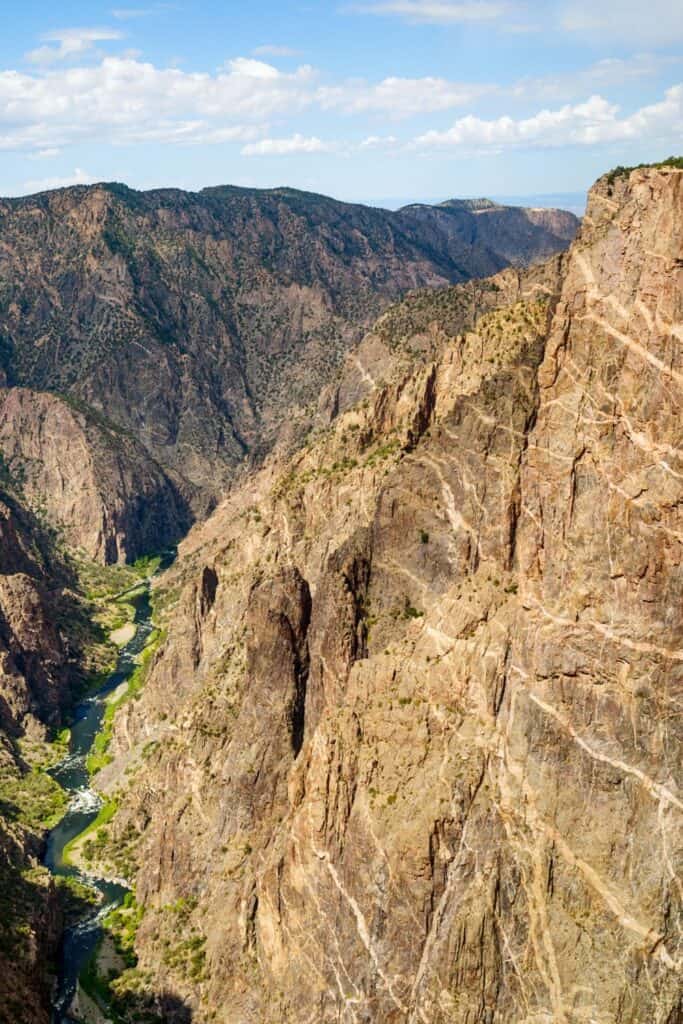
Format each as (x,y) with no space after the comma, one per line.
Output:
(411,751)
(206,324)
(53,640)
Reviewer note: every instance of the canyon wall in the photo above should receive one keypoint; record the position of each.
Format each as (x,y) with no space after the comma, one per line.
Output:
(88,478)
(205,324)
(37,677)
(138,326)
(411,751)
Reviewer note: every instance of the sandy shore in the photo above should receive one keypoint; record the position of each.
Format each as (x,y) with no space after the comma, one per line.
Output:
(85,1009)
(123,635)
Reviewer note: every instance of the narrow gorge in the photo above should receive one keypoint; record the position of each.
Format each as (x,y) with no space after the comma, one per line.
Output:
(396,737)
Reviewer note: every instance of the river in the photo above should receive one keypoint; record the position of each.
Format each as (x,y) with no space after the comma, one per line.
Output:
(80,940)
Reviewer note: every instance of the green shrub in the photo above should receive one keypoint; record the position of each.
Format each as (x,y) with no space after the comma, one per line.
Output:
(32,798)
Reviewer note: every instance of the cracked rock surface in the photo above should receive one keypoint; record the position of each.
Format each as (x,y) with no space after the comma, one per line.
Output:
(411,751)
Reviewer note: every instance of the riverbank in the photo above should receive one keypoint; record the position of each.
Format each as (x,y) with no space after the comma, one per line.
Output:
(75,844)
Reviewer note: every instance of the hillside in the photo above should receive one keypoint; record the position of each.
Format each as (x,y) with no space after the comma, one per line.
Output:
(205,324)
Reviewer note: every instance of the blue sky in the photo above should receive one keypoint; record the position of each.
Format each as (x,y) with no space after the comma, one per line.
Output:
(370,100)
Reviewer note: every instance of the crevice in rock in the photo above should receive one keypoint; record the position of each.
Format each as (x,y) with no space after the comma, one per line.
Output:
(207,591)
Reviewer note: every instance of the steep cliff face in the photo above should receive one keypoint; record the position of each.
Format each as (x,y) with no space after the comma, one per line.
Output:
(518,234)
(36,679)
(411,750)
(206,324)
(90,479)
(35,657)
(31,925)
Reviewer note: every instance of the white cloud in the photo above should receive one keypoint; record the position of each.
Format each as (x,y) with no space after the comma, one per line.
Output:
(408,97)
(79,177)
(641,23)
(275,51)
(609,72)
(442,12)
(593,122)
(286,147)
(400,97)
(71,42)
(120,99)
(252,68)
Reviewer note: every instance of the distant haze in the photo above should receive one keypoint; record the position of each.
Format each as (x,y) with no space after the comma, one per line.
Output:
(575,202)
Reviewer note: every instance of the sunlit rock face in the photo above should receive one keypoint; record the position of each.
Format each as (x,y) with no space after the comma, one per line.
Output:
(411,750)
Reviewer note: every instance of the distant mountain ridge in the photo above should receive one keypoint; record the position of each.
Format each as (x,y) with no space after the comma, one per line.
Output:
(206,324)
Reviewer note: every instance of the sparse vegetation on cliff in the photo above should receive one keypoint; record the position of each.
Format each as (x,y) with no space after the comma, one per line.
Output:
(31,797)
(675,162)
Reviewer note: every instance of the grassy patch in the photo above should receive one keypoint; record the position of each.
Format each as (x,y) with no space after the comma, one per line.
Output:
(95,829)
(31,798)
(147,566)
(410,612)
(105,582)
(122,924)
(123,991)
(99,756)
(42,754)
(188,957)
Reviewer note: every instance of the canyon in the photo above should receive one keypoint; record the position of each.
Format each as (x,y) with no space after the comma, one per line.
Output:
(202,326)
(408,745)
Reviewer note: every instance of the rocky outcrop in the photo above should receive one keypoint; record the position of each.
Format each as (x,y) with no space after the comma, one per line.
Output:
(205,324)
(416,330)
(31,928)
(90,479)
(37,656)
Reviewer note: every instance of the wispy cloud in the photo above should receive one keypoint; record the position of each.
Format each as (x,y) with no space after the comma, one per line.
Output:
(271,50)
(608,73)
(379,142)
(45,154)
(442,12)
(651,23)
(133,13)
(79,177)
(70,42)
(288,146)
(400,97)
(585,124)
